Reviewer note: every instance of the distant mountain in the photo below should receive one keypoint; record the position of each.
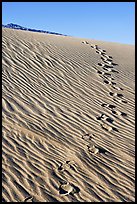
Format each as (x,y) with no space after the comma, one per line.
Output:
(18,27)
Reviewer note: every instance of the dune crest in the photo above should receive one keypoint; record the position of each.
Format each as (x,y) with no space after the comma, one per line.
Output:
(68,124)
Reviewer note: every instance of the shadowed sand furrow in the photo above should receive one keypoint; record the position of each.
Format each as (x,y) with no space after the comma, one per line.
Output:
(53,91)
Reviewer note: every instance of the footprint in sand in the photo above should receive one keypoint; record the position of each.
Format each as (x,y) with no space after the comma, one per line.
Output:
(88,136)
(109,66)
(116,94)
(120,100)
(106,66)
(105,117)
(116,112)
(108,61)
(93,149)
(117,88)
(104,58)
(108,105)
(67,166)
(100,72)
(107,69)
(107,82)
(103,73)
(68,188)
(108,128)
(101,64)
(100,51)
(107,56)
(94,46)
(110,82)
(85,42)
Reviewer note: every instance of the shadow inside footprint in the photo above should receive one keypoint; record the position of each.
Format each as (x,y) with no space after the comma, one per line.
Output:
(111,94)
(101,64)
(107,74)
(124,101)
(99,72)
(113,83)
(119,113)
(75,189)
(107,82)
(62,191)
(110,120)
(123,114)
(120,95)
(115,129)
(102,150)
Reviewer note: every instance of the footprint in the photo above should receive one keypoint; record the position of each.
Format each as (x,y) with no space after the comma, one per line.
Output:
(109,78)
(108,105)
(94,46)
(101,64)
(105,117)
(113,83)
(116,94)
(117,88)
(108,128)
(92,149)
(119,113)
(120,100)
(120,95)
(103,51)
(103,73)
(124,101)
(100,72)
(107,56)
(102,150)
(68,188)
(107,82)
(88,136)
(98,52)
(67,166)
(107,69)
(107,74)
(85,42)
(65,189)
(104,58)
(109,66)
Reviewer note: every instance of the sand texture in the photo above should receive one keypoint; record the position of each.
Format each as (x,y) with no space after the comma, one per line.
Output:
(68,119)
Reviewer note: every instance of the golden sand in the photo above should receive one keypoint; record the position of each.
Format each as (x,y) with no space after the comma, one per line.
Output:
(53,90)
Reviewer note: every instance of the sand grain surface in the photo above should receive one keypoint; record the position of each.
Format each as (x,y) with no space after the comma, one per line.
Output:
(68,124)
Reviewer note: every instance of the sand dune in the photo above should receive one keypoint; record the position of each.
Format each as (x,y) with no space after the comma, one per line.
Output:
(68,119)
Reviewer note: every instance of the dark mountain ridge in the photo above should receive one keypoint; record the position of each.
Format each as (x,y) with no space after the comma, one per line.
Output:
(18,27)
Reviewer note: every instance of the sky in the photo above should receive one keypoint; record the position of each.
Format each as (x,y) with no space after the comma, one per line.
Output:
(107,21)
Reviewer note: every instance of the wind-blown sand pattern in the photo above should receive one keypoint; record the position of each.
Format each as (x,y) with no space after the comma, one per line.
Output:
(65,125)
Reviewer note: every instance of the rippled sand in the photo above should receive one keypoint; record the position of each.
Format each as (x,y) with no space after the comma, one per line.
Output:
(68,119)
